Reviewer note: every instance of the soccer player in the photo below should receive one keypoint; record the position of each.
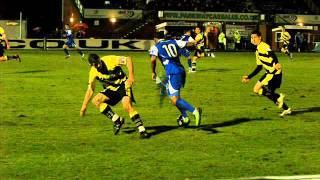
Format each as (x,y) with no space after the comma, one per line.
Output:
(188,38)
(208,36)
(117,87)
(161,81)
(199,52)
(271,80)
(4,39)
(168,52)
(285,39)
(70,42)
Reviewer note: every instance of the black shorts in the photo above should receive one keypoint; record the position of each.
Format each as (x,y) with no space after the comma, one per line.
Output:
(116,96)
(272,81)
(198,52)
(1,50)
(285,45)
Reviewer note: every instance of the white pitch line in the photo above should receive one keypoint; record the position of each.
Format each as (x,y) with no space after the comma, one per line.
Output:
(298,177)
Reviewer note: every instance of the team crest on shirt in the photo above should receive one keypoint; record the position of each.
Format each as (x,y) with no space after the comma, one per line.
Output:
(122,60)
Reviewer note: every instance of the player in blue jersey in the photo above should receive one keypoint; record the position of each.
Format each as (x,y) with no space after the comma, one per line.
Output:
(168,52)
(187,37)
(161,81)
(70,42)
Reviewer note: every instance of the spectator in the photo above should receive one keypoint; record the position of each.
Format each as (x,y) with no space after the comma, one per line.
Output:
(237,39)
(298,41)
(222,41)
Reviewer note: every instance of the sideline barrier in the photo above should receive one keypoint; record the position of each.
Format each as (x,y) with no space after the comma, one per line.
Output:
(316,47)
(85,44)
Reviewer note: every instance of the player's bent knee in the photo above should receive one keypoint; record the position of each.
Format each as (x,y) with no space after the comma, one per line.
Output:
(256,90)
(126,103)
(97,100)
(174,100)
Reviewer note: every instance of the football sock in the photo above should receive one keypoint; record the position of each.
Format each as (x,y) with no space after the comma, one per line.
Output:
(288,54)
(182,104)
(66,51)
(189,63)
(80,52)
(272,96)
(11,57)
(284,106)
(269,94)
(194,65)
(135,117)
(183,112)
(106,110)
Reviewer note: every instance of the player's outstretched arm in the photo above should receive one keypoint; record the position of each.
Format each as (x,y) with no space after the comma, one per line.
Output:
(246,79)
(277,66)
(130,80)
(153,67)
(275,61)
(87,98)
(6,40)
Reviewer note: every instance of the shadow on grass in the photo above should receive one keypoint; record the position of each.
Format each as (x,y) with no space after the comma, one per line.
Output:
(216,70)
(12,124)
(8,123)
(305,110)
(155,130)
(26,72)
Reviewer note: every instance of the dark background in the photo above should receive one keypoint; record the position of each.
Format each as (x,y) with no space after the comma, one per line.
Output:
(45,14)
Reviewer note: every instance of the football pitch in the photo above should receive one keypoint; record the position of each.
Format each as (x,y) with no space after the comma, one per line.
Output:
(42,135)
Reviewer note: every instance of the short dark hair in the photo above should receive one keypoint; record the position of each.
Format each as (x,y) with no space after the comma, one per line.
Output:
(159,35)
(187,30)
(257,32)
(94,59)
(171,35)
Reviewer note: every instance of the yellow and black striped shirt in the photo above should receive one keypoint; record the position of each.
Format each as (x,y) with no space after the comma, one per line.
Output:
(266,57)
(110,74)
(285,37)
(1,34)
(200,40)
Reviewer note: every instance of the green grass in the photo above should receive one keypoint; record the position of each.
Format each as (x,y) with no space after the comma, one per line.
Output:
(42,135)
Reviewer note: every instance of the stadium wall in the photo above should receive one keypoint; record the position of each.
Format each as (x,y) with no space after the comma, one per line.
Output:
(12,28)
(85,44)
